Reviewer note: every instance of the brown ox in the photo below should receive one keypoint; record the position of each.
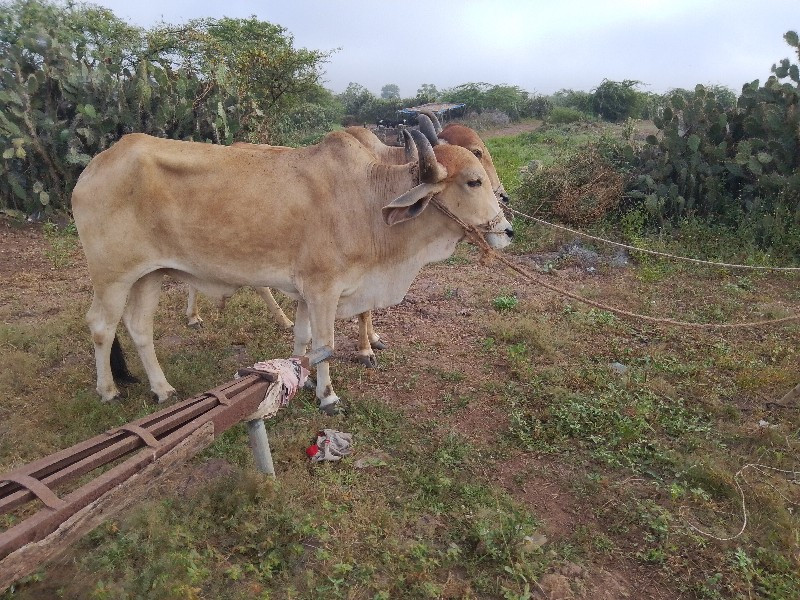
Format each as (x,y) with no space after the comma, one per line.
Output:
(329,225)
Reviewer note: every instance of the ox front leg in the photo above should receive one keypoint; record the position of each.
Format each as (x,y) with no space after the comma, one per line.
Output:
(266,295)
(321,316)
(138,318)
(192,314)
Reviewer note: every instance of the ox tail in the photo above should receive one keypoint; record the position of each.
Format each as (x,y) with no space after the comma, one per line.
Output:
(119,368)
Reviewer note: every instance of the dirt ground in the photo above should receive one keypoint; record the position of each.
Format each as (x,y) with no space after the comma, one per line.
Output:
(438,326)
(436,331)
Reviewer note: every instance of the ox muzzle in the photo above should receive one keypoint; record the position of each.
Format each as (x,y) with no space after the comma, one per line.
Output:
(497,232)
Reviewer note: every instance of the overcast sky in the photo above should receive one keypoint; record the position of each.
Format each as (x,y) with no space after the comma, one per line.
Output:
(541,46)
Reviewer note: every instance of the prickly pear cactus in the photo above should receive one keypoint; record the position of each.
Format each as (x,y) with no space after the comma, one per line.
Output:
(713,160)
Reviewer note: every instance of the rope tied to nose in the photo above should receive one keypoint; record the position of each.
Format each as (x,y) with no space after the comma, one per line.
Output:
(488,254)
(473,233)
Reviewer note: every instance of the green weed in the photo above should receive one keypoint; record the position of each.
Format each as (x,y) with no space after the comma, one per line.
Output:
(505,303)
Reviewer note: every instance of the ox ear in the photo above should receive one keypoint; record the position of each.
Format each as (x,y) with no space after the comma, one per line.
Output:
(411,204)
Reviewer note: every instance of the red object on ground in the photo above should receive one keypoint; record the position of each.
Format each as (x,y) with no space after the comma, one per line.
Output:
(312,450)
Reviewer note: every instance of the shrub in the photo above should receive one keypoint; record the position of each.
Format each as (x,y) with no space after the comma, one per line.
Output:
(578,100)
(736,164)
(580,189)
(617,100)
(561,115)
(716,159)
(513,101)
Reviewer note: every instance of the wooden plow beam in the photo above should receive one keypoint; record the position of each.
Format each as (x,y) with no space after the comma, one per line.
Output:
(135,455)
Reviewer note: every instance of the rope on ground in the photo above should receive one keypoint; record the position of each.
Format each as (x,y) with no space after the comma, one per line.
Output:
(475,235)
(740,473)
(653,252)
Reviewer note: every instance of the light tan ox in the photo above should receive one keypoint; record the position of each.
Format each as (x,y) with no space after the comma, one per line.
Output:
(456,134)
(328,225)
(368,338)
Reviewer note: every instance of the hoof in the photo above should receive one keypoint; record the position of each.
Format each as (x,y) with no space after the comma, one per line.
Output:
(170,394)
(310,384)
(333,409)
(378,345)
(196,324)
(287,325)
(370,361)
(114,398)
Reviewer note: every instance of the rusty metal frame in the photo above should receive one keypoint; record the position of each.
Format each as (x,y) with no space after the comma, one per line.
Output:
(142,442)
(134,455)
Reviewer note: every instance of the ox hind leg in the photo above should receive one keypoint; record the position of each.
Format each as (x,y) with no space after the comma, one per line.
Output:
(192,313)
(367,341)
(302,329)
(103,317)
(138,319)
(275,310)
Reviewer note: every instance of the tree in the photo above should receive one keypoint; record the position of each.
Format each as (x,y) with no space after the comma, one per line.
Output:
(617,100)
(355,98)
(510,99)
(74,78)
(427,92)
(389,91)
(471,94)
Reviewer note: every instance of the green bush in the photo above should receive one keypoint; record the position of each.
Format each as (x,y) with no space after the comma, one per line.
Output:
(509,99)
(75,78)
(713,158)
(578,100)
(617,100)
(560,115)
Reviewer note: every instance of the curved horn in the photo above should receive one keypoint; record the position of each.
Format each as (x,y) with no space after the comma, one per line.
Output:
(426,126)
(411,154)
(430,171)
(437,126)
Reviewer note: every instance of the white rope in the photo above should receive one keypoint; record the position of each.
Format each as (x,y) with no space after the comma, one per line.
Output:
(653,252)
(474,234)
(761,469)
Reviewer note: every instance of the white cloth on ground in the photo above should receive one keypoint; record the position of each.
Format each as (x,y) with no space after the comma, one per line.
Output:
(333,445)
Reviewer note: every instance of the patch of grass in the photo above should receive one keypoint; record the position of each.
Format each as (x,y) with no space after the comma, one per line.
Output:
(448,376)
(440,514)
(62,242)
(561,115)
(537,334)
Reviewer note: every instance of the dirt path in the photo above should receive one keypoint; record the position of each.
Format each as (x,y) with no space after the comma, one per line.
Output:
(512,129)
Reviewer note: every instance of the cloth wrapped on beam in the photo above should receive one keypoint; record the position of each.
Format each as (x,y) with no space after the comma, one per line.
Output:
(290,374)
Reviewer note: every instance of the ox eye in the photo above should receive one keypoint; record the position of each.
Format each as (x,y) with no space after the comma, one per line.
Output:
(478,153)
(474,183)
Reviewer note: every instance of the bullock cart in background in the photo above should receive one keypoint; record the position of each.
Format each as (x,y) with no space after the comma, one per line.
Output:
(388,130)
